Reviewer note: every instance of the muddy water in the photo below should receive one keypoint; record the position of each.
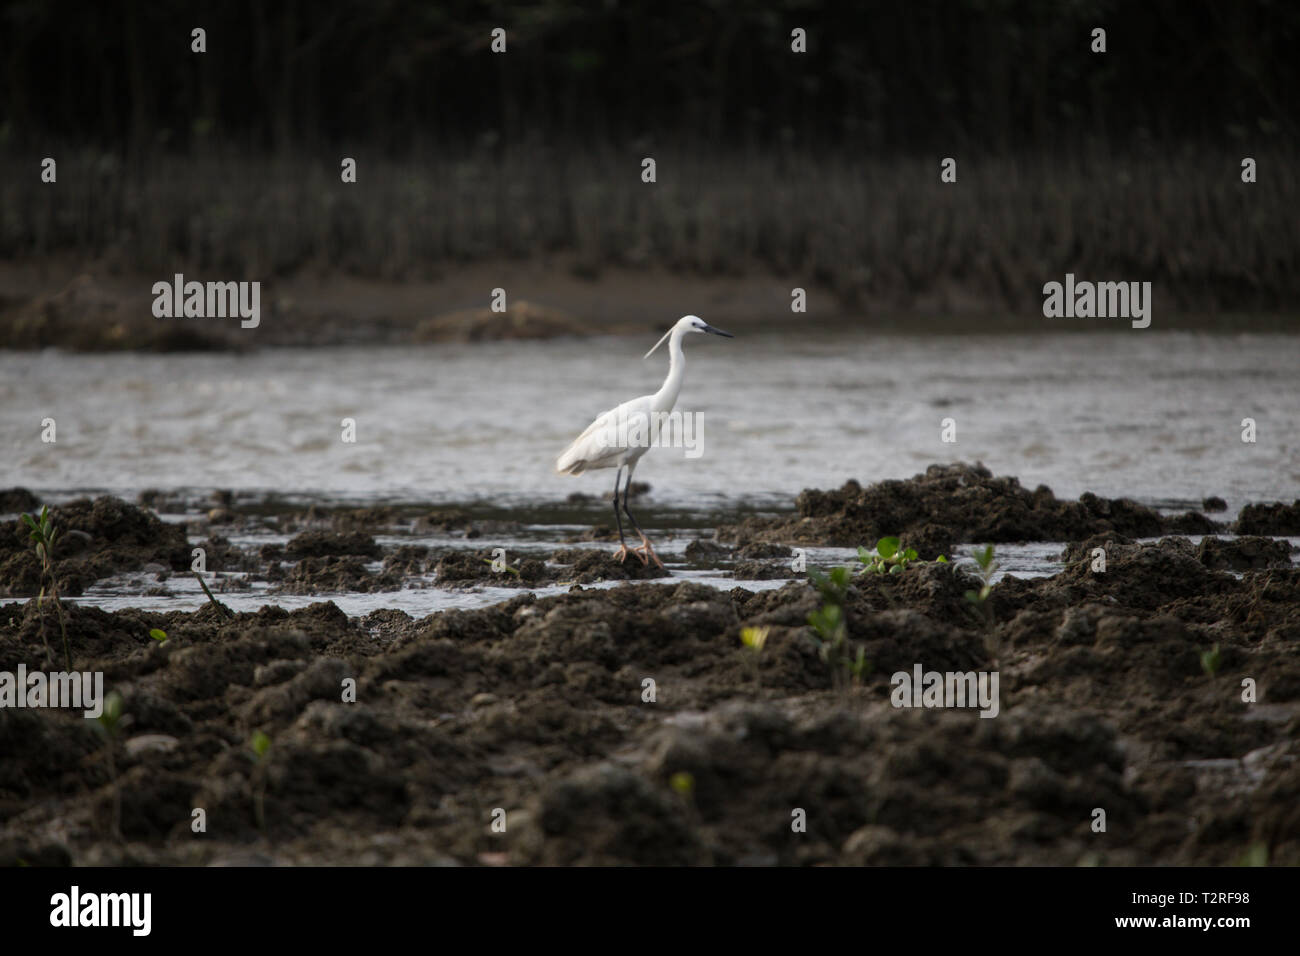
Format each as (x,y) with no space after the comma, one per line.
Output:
(1155,416)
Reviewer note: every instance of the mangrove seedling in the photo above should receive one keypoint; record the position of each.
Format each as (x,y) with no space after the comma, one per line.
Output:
(754,639)
(260,744)
(44,534)
(979,599)
(828,620)
(859,667)
(1212,660)
(888,558)
(110,724)
(830,628)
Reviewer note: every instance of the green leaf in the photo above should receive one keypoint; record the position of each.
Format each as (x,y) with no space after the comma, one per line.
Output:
(941,559)
(682,783)
(260,743)
(910,554)
(112,712)
(158,635)
(887,547)
(30,521)
(865,556)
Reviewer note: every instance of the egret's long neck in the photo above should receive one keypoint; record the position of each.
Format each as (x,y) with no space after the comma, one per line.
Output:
(666,397)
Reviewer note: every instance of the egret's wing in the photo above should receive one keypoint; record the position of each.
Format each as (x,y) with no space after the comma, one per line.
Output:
(603,441)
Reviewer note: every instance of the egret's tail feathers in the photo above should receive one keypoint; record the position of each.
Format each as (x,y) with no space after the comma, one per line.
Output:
(570,462)
(570,468)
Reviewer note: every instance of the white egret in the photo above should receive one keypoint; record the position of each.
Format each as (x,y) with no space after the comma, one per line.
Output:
(619,437)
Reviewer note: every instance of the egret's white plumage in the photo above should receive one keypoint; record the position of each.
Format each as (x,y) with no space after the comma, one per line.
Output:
(604,443)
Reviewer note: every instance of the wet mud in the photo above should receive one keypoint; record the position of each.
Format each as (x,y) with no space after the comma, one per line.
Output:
(631,724)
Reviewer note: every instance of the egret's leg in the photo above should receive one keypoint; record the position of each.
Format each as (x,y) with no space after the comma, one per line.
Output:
(621,553)
(646,553)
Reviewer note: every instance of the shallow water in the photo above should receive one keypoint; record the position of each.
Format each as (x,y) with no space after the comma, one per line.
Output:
(181,592)
(1155,416)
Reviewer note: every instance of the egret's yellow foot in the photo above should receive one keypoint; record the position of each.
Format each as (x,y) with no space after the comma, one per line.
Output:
(647,553)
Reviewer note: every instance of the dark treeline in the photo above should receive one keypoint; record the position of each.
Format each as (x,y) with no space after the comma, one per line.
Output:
(403,75)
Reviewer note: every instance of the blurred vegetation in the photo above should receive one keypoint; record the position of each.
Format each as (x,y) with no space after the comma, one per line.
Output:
(823,166)
(880,78)
(871,230)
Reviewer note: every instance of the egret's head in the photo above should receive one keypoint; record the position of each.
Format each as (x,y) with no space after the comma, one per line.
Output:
(689,323)
(693,323)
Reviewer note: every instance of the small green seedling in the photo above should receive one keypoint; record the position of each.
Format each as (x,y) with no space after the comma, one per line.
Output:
(859,667)
(110,724)
(110,720)
(44,535)
(260,744)
(828,620)
(830,629)
(888,558)
(159,635)
(1212,660)
(979,599)
(683,784)
(754,638)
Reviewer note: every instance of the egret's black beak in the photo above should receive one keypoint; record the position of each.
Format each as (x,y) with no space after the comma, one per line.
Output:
(712,330)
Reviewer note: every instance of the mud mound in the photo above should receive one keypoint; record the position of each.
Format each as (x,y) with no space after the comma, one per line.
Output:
(95,539)
(1244,554)
(1269,519)
(483,567)
(315,544)
(520,320)
(607,815)
(18,501)
(334,574)
(584,566)
(1138,575)
(948,504)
